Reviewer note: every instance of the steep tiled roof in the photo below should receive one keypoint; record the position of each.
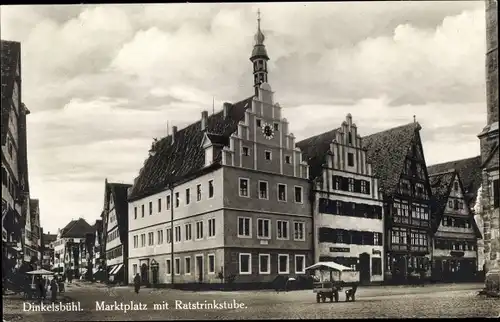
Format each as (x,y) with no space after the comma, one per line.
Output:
(185,156)
(440,186)
(386,151)
(76,229)
(469,171)
(314,150)
(49,238)
(10,53)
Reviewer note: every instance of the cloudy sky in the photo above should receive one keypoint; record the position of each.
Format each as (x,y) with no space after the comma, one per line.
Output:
(103,81)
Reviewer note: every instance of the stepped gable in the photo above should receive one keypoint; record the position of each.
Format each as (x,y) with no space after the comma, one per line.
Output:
(314,151)
(185,157)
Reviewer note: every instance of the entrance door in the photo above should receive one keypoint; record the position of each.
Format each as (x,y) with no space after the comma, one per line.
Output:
(155,275)
(199,268)
(364,268)
(144,274)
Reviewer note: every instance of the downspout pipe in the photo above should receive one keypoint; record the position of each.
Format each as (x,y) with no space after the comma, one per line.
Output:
(172,235)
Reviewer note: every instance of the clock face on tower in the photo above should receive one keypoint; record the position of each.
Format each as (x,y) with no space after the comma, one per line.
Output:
(267,131)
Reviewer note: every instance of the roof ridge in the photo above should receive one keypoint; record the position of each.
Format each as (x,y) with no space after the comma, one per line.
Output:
(454,161)
(390,129)
(443,172)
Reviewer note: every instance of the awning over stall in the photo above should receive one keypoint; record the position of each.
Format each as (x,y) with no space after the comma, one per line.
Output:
(331,265)
(117,269)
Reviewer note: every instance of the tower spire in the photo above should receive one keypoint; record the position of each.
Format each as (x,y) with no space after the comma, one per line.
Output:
(259,57)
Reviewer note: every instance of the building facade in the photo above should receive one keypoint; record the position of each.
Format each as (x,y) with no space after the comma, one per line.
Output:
(232,205)
(455,252)
(48,250)
(469,171)
(348,207)
(14,177)
(67,259)
(32,236)
(397,159)
(116,231)
(489,140)
(98,260)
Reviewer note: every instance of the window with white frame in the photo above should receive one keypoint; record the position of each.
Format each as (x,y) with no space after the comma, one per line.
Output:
(134,269)
(142,210)
(298,194)
(298,230)
(168,266)
(211,264)
(189,231)
(244,183)
(263,228)
(150,208)
(143,240)
(177,234)
(151,239)
(177,266)
(188,196)
(282,229)
(160,236)
(300,264)
(244,227)
(168,202)
(281,192)
(187,265)
(210,189)
(198,192)
(264,264)
(211,227)
(283,264)
(245,264)
(199,230)
(245,151)
(177,200)
(288,159)
(136,241)
(159,205)
(169,235)
(268,155)
(263,190)
(135,212)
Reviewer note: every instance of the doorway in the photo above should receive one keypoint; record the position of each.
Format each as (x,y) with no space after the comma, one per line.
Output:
(364,268)
(199,268)
(144,274)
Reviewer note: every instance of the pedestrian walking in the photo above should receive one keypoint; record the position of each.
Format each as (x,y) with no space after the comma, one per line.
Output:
(53,290)
(137,283)
(41,286)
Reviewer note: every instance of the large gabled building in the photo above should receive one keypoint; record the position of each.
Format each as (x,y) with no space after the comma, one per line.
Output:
(67,247)
(224,199)
(455,252)
(469,171)
(15,188)
(348,207)
(397,159)
(115,238)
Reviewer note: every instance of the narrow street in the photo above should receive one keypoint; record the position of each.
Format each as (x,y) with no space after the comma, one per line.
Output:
(434,301)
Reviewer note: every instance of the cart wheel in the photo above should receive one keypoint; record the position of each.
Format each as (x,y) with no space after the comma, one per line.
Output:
(323,298)
(318,298)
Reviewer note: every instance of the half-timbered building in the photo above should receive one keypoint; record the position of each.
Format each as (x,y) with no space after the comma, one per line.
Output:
(454,255)
(397,159)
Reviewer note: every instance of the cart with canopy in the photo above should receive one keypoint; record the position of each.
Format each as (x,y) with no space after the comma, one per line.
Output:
(331,278)
(33,287)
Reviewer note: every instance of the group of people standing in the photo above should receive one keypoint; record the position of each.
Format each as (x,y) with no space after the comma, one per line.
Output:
(54,285)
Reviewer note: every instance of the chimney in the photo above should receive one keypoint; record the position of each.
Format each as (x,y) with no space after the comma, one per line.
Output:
(204,120)
(226,107)
(174,133)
